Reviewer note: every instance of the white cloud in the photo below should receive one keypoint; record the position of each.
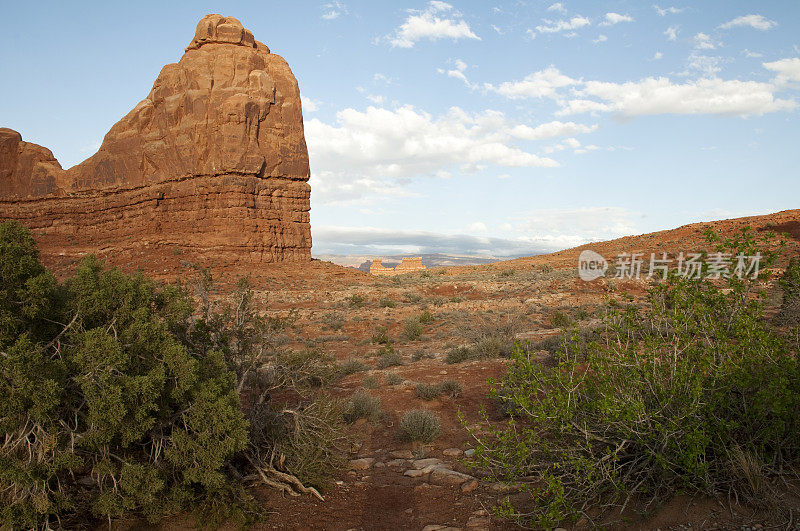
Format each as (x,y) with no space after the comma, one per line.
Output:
(528,233)
(309,105)
(657,95)
(551,130)
(754,21)
(751,54)
(537,85)
(457,72)
(703,41)
(373,241)
(787,69)
(672,33)
(557,26)
(657,56)
(375,98)
(333,10)
(433,24)
(661,96)
(707,65)
(600,38)
(615,18)
(561,228)
(558,7)
(378,148)
(668,10)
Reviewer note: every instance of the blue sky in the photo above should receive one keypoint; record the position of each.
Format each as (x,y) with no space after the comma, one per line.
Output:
(500,128)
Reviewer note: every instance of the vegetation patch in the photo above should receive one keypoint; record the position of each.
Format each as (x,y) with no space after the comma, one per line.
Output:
(420,426)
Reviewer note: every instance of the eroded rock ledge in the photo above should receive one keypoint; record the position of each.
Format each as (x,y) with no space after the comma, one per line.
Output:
(213,161)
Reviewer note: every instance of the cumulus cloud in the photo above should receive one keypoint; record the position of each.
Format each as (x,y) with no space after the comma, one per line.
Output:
(558,7)
(551,130)
(656,95)
(615,18)
(308,104)
(661,96)
(438,21)
(379,150)
(600,38)
(672,33)
(541,84)
(557,26)
(787,69)
(753,21)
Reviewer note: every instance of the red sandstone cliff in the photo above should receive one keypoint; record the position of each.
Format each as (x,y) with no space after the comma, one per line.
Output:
(213,162)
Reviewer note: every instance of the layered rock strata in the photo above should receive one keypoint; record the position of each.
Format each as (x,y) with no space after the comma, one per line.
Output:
(213,162)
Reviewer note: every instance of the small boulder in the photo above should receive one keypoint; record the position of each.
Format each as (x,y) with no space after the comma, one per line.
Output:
(362,464)
(448,478)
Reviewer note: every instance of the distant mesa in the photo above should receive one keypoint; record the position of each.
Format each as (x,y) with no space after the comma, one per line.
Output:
(212,164)
(406,265)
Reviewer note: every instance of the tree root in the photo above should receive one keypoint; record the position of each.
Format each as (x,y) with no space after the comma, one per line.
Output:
(286,483)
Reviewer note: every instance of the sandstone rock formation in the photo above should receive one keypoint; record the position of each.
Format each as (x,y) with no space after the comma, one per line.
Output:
(406,265)
(212,162)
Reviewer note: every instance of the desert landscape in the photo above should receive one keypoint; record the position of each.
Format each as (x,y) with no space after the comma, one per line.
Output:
(174,355)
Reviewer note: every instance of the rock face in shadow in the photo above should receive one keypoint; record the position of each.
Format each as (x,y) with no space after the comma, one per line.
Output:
(213,162)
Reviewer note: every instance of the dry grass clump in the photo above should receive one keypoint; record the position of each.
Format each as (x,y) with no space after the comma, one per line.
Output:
(420,425)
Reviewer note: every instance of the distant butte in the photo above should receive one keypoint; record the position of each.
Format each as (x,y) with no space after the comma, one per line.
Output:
(406,265)
(211,166)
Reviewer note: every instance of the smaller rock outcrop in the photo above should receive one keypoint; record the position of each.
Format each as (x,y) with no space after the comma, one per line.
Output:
(26,169)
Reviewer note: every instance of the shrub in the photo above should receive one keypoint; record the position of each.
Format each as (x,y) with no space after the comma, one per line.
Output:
(492,337)
(427,391)
(310,439)
(560,320)
(421,354)
(92,369)
(694,392)
(789,313)
(387,303)
(119,397)
(393,379)
(413,329)
(508,272)
(450,388)
(493,347)
(459,354)
(352,366)
(370,382)
(381,335)
(389,359)
(426,317)
(362,406)
(355,300)
(332,321)
(419,425)
(411,297)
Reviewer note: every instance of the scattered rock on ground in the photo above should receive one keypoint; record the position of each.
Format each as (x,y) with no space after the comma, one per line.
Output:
(362,464)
